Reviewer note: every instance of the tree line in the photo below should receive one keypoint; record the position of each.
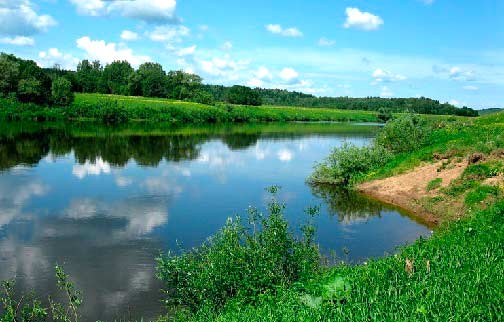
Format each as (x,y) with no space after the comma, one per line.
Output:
(27,82)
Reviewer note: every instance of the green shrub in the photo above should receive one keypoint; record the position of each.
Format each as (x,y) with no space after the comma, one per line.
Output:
(384,115)
(113,114)
(28,308)
(348,162)
(61,92)
(240,262)
(404,134)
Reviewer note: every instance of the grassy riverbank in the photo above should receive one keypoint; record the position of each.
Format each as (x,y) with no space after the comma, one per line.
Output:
(457,275)
(121,109)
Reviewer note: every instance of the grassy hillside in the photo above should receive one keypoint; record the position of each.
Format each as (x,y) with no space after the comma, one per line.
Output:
(121,109)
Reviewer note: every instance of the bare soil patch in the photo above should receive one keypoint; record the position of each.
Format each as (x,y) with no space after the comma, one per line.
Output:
(408,190)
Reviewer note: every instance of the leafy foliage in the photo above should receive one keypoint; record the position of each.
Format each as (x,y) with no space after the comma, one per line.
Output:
(30,309)
(243,95)
(404,134)
(240,262)
(346,164)
(61,92)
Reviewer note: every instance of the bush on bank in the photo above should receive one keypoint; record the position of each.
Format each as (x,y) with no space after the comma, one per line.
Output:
(346,164)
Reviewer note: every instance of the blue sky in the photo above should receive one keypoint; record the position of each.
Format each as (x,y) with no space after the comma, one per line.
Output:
(449,50)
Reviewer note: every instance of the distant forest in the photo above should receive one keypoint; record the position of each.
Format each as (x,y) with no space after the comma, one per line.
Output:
(25,81)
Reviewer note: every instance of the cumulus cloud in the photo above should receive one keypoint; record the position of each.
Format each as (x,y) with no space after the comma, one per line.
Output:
(19,18)
(14,194)
(260,76)
(287,32)
(128,35)
(285,155)
(150,11)
(88,168)
(224,67)
(108,52)
(385,76)
(456,73)
(289,75)
(53,57)
(362,20)
(324,42)
(18,41)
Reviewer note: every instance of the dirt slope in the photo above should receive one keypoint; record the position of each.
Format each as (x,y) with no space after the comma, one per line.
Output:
(408,190)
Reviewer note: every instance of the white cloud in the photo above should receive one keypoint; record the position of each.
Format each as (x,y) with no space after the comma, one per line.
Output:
(263,74)
(128,35)
(227,46)
(19,18)
(91,169)
(285,155)
(362,20)
(386,92)
(456,73)
(287,32)
(471,88)
(15,195)
(53,56)
(18,41)
(381,75)
(223,67)
(324,42)
(289,75)
(169,34)
(123,181)
(151,11)
(108,52)
(90,7)
(454,102)
(187,51)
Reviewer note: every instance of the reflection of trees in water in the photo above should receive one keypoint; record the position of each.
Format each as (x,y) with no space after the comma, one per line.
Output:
(348,205)
(25,149)
(29,149)
(27,144)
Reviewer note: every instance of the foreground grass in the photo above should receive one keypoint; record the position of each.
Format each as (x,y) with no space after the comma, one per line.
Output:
(121,109)
(457,275)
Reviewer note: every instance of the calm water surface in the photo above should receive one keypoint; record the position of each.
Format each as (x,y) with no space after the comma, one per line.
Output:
(103,202)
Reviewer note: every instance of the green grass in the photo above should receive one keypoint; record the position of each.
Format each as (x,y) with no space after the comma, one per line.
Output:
(121,109)
(434,184)
(458,275)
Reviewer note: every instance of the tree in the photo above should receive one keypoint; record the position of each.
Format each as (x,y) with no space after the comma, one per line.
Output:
(243,95)
(182,85)
(30,90)
(61,92)
(9,76)
(116,76)
(89,76)
(149,80)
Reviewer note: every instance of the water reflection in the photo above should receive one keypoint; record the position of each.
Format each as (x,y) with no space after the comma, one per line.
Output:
(103,202)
